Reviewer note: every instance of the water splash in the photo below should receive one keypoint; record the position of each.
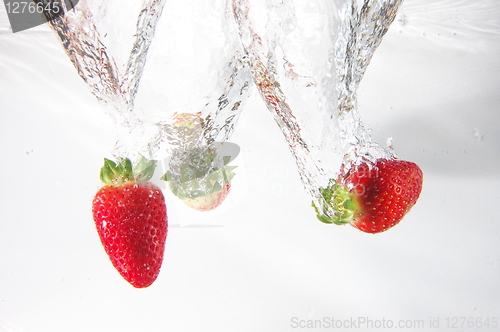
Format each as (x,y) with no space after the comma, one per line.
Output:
(113,85)
(204,101)
(110,55)
(455,23)
(308,58)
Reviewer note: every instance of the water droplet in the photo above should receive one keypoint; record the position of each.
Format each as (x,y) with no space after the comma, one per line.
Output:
(390,143)
(401,20)
(478,135)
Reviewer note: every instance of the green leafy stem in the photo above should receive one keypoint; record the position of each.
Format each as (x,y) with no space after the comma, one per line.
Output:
(334,205)
(123,171)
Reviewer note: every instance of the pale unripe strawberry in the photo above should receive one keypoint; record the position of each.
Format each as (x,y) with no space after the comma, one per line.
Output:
(208,202)
(198,174)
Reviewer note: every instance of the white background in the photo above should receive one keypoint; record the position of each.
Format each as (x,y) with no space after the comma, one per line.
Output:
(262,262)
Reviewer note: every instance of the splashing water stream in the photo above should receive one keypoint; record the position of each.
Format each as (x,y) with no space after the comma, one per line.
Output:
(308,58)
(84,45)
(172,118)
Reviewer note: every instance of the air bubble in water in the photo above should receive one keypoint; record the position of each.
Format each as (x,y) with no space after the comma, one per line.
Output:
(478,135)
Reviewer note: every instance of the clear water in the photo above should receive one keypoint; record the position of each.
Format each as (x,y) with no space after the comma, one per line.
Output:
(308,58)
(163,105)
(146,94)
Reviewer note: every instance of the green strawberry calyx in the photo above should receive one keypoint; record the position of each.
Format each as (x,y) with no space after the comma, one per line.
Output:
(210,184)
(199,173)
(123,171)
(335,204)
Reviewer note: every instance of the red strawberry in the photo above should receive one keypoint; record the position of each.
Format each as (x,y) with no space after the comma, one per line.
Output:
(373,197)
(131,220)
